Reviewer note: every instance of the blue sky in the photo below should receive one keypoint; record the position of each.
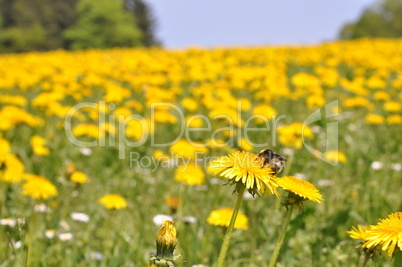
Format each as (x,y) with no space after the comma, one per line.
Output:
(209,23)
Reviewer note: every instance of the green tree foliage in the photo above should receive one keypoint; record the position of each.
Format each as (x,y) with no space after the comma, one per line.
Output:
(103,24)
(383,19)
(15,39)
(145,21)
(35,24)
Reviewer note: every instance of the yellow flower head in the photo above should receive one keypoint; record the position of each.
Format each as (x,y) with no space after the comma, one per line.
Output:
(387,234)
(335,156)
(374,119)
(5,148)
(185,149)
(247,169)
(394,119)
(173,202)
(292,135)
(359,232)
(263,111)
(11,169)
(38,187)
(189,104)
(190,174)
(166,240)
(113,202)
(222,217)
(392,106)
(79,177)
(38,145)
(301,188)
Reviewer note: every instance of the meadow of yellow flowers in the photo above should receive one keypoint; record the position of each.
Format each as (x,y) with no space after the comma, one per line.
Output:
(99,147)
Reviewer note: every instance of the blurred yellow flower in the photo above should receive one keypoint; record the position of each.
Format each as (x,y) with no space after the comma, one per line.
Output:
(222,217)
(381,96)
(173,202)
(263,111)
(292,135)
(357,102)
(374,119)
(183,148)
(392,106)
(11,169)
(190,174)
(113,202)
(138,129)
(5,148)
(189,104)
(38,145)
(159,155)
(90,130)
(79,177)
(246,145)
(315,101)
(39,187)
(394,119)
(335,156)
(12,115)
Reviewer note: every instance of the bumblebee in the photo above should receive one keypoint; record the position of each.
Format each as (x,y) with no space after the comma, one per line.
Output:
(272,160)
(3,166)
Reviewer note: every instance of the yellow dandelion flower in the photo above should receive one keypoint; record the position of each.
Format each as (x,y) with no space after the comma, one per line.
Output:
(374,119)
(79,177)
(247,169)
(394,119)
(38,145)
(159,155)
(166,240)
(357,102)
(183,148)
(245,145)
(222,217)
(392,106)
(164,116)
(335,156)
(315,101)
(359,232)
(387,234)
(302,188)
(189,104)
(5,148)
(381,96)
(87,130)
(195,121)
(113,202)
(263,111)
(39,187)
(173,202)
(11,169)
(292,135)
(190,174)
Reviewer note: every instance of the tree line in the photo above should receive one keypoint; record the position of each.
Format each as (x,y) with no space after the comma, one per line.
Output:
(382,19)
(32,25)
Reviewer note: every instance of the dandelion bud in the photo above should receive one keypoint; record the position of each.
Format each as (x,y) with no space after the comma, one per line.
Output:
(166,241)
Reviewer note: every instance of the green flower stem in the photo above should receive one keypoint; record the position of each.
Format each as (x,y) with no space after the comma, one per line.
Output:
(366,259)
(281,238)
(225,244)
(32,228)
